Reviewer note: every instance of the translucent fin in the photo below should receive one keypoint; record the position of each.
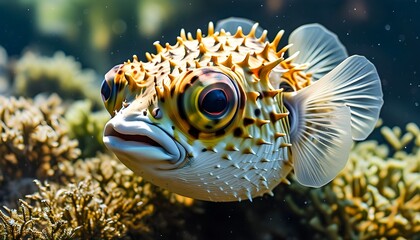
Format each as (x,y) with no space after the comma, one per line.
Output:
(356,84)
(318,47)
(231,25)
(325,116)
(321,148)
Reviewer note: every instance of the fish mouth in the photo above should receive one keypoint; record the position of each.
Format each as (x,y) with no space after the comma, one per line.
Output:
(141,142)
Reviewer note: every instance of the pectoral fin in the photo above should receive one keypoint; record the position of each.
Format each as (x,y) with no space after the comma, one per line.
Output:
(341,106)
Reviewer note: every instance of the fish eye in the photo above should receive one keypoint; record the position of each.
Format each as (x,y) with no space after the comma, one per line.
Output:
(109,88)
(105,91)
(210,100)
(286,87)
(213,103)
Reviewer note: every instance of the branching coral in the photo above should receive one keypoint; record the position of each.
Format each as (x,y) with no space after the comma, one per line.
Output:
(102,200)
(33,138)
(59,74)
(376,195)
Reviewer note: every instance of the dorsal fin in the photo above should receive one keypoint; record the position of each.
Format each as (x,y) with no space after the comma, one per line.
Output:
(231,25)
(317,47)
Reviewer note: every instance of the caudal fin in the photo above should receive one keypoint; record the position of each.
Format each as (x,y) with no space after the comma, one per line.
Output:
(341,106)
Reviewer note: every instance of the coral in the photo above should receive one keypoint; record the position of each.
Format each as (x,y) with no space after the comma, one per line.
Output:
(33,142)
(102,199)
(375,196)
(86,126)
(33,138)
(59,74)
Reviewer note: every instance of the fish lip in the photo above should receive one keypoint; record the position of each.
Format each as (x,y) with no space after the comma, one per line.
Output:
(140,136)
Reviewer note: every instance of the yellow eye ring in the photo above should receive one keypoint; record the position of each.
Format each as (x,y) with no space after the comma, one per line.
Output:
(209,101)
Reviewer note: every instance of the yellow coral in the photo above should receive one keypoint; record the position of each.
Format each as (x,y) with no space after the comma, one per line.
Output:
(33,137)
(376,195)
(97,198)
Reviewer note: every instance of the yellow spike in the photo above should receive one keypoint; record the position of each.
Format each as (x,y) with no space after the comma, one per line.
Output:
(263,36)
(253,96)
(278,116)
(239,33)
(166,88)
(283,50)
(172,63)
(210,30)
(216,39)
(231,147)
(289,59)
(202,48)
(171,77)
(222,32)
(282,145)
(264,70)
(284,180)
(272,93)
(279,134)
(159,92)
(253,30)
(261,122)
(149,57)
(243,43)
(163,58)
(199,35)
(182,34)
(168,46)
(131,81)
(135,58)
(189,36)
(264,52)
(197,64)
(215,59)
(244,63)
(261,141)
(276,40)
(146,75)
(228,61)
(221,47)
(227,157)
(248,150)
(180,41)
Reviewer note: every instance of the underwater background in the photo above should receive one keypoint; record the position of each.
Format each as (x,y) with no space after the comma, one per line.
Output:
(53,55)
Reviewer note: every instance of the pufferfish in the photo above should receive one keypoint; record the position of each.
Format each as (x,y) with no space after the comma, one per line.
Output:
(227,116)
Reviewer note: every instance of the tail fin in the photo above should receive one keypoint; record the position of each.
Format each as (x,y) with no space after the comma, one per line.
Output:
(341,106)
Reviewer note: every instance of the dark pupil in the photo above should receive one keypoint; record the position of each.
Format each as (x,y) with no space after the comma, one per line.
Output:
(105,91)
(214,102)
